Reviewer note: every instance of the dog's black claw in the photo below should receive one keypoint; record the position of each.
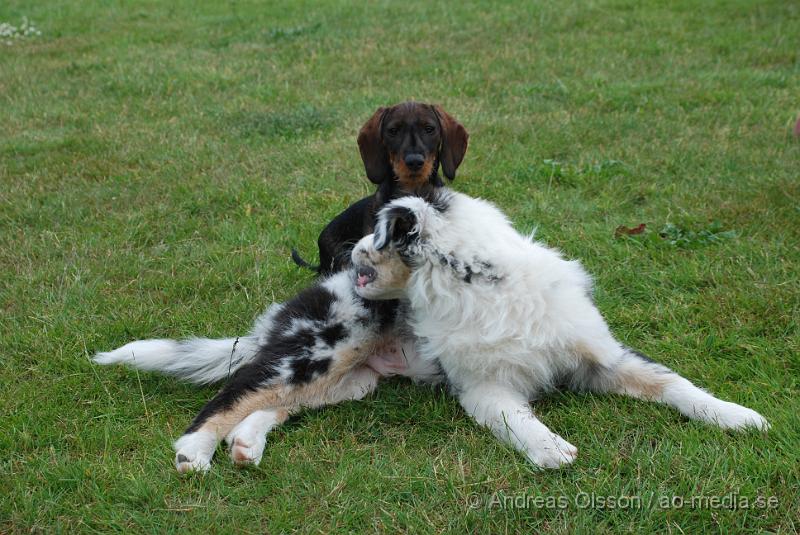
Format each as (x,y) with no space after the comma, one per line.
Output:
(181,458)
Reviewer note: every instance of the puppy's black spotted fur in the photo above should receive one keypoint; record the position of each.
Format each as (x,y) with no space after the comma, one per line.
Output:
(325,345)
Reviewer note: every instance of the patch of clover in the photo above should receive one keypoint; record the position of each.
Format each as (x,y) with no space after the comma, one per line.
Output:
(9,33)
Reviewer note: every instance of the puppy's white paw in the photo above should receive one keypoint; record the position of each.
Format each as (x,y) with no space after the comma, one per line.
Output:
(551,451)
(733,416)
(249,438)
(244,452)
(185,464)
(193,452)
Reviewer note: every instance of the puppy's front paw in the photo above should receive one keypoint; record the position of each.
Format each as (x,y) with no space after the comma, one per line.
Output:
(552,452)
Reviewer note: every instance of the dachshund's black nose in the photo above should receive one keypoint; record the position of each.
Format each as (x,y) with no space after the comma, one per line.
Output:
(414,161)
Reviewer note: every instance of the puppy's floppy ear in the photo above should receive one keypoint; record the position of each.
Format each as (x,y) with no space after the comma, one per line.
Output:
(397,225)
(373,153)
(454,142)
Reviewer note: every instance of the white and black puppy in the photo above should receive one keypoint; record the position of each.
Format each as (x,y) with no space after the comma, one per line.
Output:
(324,346)
(508,319)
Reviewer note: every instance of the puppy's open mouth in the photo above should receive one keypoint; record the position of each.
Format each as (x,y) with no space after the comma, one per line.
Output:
(365,275)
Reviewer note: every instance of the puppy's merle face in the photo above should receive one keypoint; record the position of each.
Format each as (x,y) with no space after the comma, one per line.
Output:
(385,260)
(379,274)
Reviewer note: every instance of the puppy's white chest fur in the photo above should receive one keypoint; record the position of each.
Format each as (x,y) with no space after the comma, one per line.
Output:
(508,327)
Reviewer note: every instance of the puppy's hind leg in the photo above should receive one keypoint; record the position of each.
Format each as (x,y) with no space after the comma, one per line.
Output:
(633,374)
(355,385)
(249,438)
(193,451)
(508,414)
(236,401)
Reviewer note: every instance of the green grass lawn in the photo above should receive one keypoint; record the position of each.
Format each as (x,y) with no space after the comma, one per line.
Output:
(158,160)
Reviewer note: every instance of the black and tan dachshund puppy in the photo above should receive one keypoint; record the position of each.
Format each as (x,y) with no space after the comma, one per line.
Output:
(402,148)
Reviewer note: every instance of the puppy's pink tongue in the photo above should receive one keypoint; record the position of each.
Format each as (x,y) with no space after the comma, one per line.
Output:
(362,281)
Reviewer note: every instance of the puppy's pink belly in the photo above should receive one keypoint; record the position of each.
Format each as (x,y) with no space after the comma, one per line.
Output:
(388,359)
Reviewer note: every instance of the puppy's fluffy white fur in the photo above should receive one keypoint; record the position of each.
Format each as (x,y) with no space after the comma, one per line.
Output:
(508,319)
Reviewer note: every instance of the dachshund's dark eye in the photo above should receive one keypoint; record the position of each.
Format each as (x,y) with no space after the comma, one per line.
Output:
(429,129)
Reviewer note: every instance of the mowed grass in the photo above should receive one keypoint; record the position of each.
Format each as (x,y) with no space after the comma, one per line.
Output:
(158,160)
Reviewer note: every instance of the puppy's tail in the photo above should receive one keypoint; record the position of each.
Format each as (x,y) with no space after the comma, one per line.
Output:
(302,263)
(198,360)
